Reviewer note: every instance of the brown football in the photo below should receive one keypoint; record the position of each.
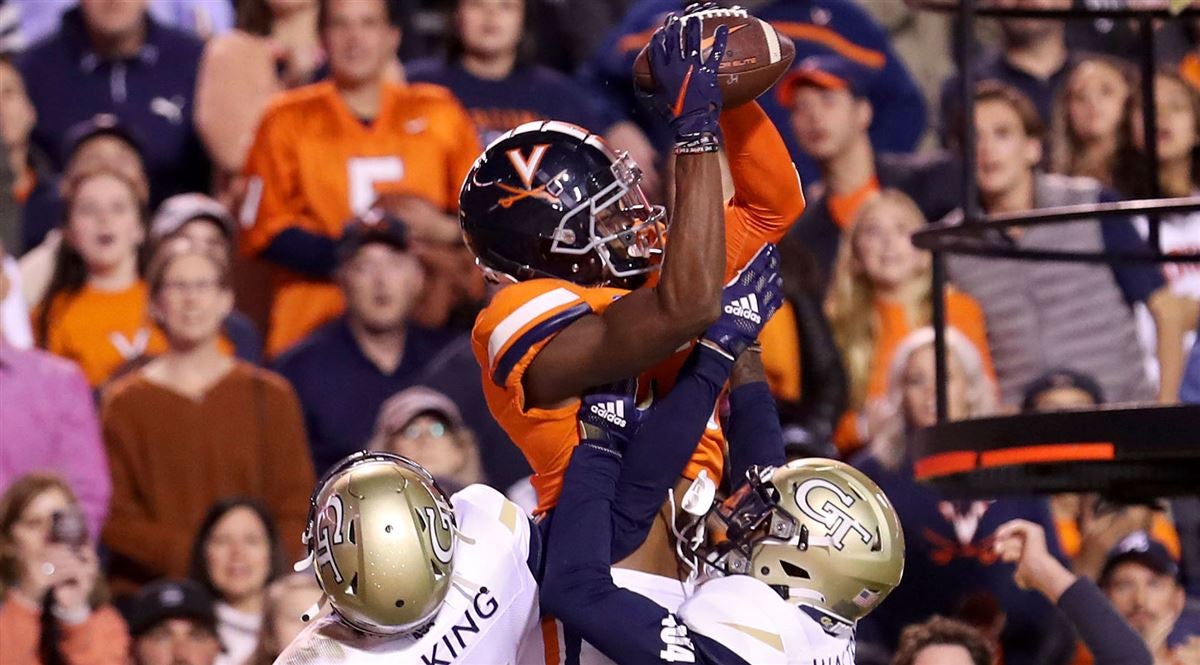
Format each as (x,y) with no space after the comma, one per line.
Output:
(755,56)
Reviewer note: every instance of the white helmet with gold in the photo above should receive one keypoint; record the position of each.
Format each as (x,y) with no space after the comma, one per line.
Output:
(818,531)
(381,537)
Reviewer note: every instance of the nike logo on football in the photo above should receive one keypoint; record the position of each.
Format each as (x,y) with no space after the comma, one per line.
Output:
(611,412)
(707,42)
(745,307)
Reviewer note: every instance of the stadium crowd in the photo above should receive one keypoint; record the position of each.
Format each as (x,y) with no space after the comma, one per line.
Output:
(231,257)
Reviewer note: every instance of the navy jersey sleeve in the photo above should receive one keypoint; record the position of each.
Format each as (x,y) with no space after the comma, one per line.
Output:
(577,587)
(755,437)
(1137,280)
(663,445)
(1105,633)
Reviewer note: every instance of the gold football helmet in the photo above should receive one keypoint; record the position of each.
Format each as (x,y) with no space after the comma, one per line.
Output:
(818,531)
(381,537)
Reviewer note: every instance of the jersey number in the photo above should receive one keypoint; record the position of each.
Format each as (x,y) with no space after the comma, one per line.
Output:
(364,173)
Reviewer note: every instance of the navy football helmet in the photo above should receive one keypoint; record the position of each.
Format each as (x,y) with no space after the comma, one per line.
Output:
(549,199)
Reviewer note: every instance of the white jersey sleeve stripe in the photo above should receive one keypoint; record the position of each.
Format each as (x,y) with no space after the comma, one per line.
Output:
(523,316)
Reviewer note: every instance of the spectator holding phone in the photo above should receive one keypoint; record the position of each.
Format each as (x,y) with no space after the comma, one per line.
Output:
(54,610)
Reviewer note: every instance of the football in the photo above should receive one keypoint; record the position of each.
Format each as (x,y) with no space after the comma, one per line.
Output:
(755,55)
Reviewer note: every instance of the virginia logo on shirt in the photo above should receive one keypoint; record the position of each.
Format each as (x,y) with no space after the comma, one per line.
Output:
(130,348)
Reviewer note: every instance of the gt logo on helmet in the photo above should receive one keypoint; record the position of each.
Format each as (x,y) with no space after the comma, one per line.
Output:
(838,523)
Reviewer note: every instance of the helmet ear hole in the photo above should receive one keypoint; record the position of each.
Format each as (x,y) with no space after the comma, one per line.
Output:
(792,570)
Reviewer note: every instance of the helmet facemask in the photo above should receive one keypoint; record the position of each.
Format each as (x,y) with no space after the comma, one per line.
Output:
(623,229)
(748,517)
(818,532)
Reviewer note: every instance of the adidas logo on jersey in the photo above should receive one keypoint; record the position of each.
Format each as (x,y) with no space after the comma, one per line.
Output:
(612,412)
(745,307)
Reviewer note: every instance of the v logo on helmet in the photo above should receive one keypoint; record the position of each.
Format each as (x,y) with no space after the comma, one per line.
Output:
(838,523)
(526,167)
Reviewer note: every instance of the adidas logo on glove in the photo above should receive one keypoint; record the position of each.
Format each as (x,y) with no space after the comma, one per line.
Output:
(745,307)
(612,412)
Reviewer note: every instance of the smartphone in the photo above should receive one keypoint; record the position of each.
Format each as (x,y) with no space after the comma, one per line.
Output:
(68,527)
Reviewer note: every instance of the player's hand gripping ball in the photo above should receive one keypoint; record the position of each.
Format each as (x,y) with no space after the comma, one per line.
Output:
(755,57)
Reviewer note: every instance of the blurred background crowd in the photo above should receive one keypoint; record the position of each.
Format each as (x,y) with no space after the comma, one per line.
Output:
(231,257)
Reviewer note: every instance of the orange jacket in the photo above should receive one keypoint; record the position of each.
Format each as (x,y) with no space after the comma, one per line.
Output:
(102,638)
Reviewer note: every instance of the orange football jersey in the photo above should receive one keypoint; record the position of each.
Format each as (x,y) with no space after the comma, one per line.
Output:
(522,318)
(100,330)
(314,165)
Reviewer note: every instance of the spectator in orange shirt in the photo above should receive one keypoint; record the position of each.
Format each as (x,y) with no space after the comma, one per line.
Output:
(100,142)
(880,293)
(95,311)
(327,152)
(1087,527)
(40,570)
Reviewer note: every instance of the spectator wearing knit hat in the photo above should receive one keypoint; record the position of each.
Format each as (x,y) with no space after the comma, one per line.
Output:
(173,621)
(207,223)
(426,427)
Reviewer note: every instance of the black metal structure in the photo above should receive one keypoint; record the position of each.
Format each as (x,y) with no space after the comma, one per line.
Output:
(1149,468)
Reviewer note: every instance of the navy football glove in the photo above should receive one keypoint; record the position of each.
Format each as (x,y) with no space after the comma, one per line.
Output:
(685,82)
(609,417)
(747,303)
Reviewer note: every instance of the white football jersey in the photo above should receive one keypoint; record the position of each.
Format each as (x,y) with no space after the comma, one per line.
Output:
(666,591)
(747,617)
(490,614)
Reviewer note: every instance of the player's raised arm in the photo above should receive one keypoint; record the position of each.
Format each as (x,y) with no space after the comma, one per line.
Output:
(766,185)
(577,586)
(755,437)
(647,325)
(667,437)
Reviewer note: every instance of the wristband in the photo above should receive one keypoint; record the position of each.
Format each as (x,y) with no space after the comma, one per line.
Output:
(701,144)
(594,446)
(713,346)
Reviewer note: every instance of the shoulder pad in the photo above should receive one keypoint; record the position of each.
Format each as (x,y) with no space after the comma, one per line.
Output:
(522,315)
